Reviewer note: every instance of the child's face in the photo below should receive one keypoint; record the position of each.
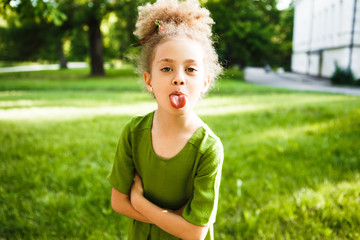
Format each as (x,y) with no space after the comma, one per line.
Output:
(177,75)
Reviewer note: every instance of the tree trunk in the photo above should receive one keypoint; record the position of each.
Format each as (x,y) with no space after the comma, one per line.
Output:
(96,48)
(63,60)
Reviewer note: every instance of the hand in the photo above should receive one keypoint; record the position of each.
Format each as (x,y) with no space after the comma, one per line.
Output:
(180,211)
(137,190)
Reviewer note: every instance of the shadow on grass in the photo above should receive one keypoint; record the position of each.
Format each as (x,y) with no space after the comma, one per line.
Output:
(68,74)
(72,80)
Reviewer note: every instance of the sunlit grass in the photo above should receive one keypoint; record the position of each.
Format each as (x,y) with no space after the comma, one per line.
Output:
(291,169)
(68,113)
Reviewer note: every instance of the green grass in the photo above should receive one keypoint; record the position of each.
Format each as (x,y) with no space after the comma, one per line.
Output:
(291,169)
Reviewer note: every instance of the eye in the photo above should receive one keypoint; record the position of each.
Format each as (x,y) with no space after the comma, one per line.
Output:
(191,70)
(166,69)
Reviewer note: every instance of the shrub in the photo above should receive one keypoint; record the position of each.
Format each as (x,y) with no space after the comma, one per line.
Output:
(233,74)
(342,76)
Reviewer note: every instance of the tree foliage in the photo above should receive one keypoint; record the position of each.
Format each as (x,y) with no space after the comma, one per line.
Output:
(33,30)
(251,32)
(67,15)
(284,37)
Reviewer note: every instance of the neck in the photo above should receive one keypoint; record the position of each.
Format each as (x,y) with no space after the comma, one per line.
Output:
(175,124)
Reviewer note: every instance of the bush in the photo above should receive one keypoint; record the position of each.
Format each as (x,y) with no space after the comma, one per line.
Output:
(233,74)
(343,76)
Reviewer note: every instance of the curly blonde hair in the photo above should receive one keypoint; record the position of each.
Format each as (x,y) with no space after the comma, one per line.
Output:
(177,19)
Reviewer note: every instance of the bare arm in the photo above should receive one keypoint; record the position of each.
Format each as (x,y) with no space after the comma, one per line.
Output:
(168,221)
(120,202)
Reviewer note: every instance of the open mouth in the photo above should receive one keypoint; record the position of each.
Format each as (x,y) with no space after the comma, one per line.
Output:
(177,99)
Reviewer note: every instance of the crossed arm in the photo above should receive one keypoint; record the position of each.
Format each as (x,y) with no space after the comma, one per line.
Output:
(136,206)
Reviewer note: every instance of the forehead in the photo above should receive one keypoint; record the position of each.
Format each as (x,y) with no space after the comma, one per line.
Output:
(179,50)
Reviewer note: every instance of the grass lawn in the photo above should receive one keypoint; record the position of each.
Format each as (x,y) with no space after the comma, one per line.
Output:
(291,169)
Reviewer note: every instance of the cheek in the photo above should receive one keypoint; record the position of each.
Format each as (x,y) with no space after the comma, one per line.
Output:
(196,90)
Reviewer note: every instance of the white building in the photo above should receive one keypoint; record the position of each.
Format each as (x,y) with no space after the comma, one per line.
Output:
(326,32)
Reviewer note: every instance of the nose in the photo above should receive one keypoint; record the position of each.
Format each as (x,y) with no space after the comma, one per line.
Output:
(178,82)
(178,79)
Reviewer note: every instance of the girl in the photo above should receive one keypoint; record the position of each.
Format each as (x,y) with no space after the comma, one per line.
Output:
(167,169)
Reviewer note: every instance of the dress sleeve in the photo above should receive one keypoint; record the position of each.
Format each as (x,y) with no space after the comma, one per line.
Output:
(122,174)
(201,208)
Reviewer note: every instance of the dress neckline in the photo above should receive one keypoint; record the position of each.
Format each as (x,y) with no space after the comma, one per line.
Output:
(178,153)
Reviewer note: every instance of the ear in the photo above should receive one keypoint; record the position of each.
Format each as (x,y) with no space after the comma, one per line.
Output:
(147,80)
(206,83)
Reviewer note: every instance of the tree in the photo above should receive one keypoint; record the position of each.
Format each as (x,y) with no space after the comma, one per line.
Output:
(285,35)
(89,13)
(248,30)
(67,15)
(30,31)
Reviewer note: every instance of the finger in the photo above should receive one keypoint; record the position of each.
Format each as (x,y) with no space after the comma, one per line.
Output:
(137,180)
(136,177)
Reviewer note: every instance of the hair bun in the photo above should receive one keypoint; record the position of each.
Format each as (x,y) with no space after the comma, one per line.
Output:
(173,13)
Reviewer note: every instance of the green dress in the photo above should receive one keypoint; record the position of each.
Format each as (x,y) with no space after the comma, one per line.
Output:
(190,178)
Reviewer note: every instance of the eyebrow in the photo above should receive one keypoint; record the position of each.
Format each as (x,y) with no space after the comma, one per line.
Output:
(172,60)
(165,60)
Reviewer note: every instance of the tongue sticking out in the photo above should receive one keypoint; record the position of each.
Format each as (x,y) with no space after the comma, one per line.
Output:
(178,101)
